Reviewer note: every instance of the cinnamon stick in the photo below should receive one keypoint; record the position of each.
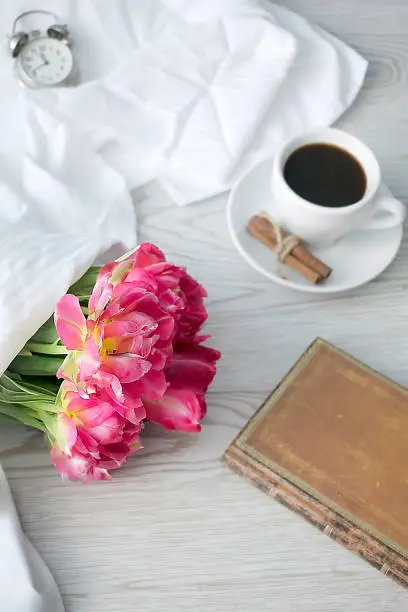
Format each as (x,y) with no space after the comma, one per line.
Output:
(306,257)
(303,255)
(263,230)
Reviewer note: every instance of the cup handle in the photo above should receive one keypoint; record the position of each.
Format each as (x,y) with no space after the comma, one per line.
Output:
(395,216)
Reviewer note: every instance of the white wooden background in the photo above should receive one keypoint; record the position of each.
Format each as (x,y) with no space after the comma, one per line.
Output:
(176,531)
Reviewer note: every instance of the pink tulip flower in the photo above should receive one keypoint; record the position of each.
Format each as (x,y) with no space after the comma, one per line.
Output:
(139,355)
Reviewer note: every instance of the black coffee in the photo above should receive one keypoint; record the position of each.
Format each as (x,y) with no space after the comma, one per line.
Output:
(325,175)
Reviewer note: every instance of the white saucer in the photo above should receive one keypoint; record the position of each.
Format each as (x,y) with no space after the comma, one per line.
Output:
(356,259)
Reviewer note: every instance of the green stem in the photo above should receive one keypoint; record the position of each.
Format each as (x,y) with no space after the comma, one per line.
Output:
(46,349)
(22,415)
(126,255)
(36,365)
(25,352)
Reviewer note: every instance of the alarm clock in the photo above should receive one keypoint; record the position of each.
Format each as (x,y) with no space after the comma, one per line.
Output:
(43,59)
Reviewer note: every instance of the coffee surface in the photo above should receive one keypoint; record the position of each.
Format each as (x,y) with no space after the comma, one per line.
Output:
(326,175)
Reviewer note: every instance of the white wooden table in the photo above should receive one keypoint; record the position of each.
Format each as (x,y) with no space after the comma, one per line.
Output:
(176,530)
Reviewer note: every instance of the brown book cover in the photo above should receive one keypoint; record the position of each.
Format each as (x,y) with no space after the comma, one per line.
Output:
(331,443)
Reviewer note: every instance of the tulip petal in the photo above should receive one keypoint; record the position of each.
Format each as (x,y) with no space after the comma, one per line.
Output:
(192,366)
(178,409)
(77,466)
(120,272)
(192,288)
(110,431)
(152,386)
(127,368)
(168,275)
(165,329)
(68,367)
(203,404)
(158,359)
(88,360)
(131,408)
(100,474)
(114,455)
(103,382)
(128,298)
(100,297)
(70,322)
(139,345)
(66,433)
(171,301)
(136,323)
(147,254)
(86,444)
(143,279)
(95,414)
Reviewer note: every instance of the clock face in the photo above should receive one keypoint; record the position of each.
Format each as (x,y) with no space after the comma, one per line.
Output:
(46,61)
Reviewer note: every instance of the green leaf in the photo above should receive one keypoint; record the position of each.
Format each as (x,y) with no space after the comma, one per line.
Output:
(30,396)
(34,384)
(36,365)
(44,385)
(12,385)
(47,334)
(85,284)
(13,375)
(23,415)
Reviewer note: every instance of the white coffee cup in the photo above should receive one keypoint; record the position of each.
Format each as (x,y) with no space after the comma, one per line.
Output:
(324,225)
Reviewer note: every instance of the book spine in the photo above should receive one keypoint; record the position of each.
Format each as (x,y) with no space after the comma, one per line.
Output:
(366,546)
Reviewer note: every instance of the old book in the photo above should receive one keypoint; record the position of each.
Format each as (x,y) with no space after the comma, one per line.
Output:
(331,443)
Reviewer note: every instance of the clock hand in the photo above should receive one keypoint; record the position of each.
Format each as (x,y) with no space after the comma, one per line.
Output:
(38,67)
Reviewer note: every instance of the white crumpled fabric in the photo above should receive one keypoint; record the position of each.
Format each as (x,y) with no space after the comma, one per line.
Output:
(26,584)
(190,92)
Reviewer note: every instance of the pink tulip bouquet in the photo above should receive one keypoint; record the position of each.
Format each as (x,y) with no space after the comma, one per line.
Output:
(124,346)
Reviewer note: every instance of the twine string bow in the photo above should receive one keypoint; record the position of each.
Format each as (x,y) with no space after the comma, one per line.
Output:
(284,243)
